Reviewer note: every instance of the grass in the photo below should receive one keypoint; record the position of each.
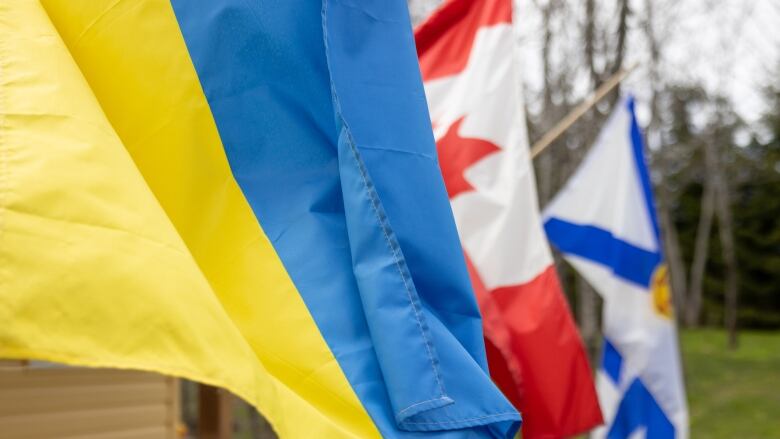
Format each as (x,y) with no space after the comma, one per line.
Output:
(732,393)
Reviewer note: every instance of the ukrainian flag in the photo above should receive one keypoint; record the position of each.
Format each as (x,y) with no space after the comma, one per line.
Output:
(243,193)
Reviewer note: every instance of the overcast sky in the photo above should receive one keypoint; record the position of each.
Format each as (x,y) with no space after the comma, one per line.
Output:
(730,46)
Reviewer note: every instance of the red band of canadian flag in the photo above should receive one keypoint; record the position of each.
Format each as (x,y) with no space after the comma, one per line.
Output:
(466,52)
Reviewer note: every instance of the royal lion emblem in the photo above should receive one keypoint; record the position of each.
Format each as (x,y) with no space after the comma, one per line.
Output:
(662,294)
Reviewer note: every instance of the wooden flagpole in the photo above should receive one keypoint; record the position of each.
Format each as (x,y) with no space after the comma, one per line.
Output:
(564,124)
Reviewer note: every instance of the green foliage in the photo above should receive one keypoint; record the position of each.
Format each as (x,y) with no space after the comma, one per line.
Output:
(757,221)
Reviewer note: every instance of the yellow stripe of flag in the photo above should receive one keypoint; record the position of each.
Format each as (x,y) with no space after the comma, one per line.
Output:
(165,269)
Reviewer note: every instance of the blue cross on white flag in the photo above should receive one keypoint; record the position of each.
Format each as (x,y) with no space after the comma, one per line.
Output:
(604,223)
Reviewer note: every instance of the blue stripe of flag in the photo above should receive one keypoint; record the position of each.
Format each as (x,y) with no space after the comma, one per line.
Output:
(638,408)
(637,145)
(626,260)
(309,116)
(611,361)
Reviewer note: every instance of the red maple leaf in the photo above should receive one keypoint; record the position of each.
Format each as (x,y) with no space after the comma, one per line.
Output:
(456,154)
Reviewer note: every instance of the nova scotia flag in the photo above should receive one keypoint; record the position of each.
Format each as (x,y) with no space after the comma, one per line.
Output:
(604,223)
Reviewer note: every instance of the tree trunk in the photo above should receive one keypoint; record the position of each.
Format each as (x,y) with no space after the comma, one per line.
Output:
(671,243)
(590,42)
(259,427)
(544,169)
(544,164)
(678,281)
(587,314)
(725,227)
(726,234)
(622,35)
(701,251)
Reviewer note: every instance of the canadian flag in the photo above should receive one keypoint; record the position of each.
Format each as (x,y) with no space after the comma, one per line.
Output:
(467,57)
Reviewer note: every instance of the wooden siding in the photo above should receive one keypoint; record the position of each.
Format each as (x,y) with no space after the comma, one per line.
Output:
(80,403)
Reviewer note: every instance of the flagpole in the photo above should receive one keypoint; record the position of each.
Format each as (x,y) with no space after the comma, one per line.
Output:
(564,124)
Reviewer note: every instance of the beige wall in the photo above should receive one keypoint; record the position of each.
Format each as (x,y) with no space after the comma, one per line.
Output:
(77,403)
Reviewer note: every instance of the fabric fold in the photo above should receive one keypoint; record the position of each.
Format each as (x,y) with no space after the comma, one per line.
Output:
(407,354)
(402,233)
